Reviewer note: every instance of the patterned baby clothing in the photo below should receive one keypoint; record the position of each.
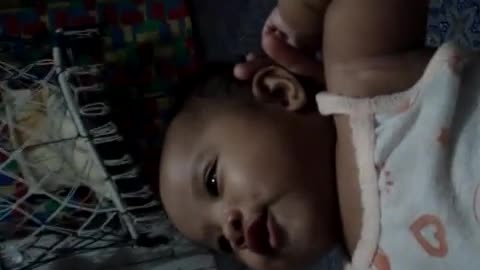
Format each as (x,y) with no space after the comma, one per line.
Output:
(418,155)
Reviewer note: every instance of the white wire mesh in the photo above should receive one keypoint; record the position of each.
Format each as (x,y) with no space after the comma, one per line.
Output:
(56,197)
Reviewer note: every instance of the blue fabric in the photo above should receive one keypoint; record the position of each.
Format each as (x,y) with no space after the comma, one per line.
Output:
(454,20)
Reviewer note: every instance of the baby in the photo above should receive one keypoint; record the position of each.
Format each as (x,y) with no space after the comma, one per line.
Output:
(389,168)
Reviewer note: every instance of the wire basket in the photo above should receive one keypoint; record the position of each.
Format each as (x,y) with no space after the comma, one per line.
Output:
(67,184)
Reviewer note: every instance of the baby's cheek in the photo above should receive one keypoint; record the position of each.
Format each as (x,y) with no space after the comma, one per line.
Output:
(255,261)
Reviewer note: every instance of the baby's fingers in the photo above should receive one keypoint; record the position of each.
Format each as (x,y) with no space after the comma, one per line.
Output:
(293,59)
(246,71)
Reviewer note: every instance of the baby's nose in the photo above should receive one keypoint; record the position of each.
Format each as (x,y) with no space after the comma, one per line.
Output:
(234,229)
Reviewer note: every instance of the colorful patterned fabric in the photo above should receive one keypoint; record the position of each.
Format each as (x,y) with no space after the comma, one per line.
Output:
(457,20)
(138,32)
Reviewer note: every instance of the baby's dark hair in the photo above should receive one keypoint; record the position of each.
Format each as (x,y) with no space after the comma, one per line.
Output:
(213,81)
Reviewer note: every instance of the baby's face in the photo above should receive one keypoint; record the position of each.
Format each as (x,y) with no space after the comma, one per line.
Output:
(256,181)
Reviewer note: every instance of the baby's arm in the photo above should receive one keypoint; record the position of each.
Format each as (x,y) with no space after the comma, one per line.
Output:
(366,42)
(367,45)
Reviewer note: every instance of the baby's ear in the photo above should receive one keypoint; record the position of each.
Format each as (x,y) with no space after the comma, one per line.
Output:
(274,85)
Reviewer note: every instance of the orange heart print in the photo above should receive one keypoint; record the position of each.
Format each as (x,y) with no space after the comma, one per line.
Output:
(437,247)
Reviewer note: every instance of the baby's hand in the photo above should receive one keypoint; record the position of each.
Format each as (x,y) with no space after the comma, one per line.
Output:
(291,58)
(275,25)
(304,36)
(294,47)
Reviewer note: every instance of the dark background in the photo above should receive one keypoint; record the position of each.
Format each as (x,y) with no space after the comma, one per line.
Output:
(227,30)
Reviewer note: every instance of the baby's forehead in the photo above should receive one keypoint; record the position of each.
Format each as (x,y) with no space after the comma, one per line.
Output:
(177,169)
(176,162)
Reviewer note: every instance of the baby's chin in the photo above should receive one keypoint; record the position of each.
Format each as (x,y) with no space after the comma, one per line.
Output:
(306,238)
(279,263)
(291,257)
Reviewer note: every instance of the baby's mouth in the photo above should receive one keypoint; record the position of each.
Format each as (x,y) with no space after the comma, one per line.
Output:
(262,235)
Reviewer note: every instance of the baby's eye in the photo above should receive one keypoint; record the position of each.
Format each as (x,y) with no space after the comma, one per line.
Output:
(224,245)
(211,183)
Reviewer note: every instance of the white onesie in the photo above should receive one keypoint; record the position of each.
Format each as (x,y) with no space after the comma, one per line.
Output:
(418,154)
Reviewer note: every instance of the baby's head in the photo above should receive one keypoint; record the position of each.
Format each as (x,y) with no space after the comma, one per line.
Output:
(250,170)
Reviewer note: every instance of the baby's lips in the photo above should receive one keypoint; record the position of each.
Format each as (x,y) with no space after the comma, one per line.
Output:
(275,237)
(258,236)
